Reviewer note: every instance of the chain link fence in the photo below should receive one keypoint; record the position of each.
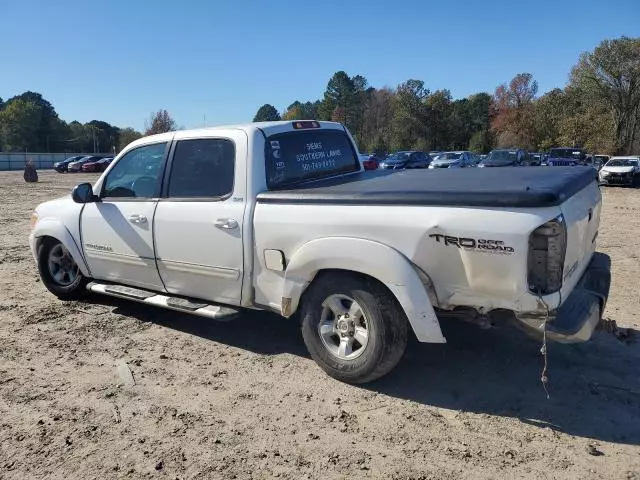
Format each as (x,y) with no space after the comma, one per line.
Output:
(42,161)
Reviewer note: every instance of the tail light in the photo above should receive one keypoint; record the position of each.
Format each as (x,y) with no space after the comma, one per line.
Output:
(306,124)
(547,248)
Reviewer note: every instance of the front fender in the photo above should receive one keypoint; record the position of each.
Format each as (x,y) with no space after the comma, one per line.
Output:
(54,228)
(370,258)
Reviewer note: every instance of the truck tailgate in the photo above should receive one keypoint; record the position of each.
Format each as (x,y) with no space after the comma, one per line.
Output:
(582,216)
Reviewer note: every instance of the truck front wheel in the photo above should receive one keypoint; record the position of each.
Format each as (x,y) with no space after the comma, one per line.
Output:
(353,327)
(59,271)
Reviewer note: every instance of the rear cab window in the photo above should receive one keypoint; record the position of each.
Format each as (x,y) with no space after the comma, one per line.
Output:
(304,155)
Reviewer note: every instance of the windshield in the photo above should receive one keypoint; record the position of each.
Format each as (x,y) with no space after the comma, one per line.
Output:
(295,157)
(565,153)
(397,157)
(622,162)
(449,156)
(501,156)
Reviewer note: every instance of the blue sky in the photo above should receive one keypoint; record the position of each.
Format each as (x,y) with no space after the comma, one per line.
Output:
(119,60)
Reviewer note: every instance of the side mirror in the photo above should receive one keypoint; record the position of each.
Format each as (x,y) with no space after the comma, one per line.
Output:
(83,193)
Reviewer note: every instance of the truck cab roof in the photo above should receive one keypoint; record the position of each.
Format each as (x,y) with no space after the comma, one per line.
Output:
(268,128)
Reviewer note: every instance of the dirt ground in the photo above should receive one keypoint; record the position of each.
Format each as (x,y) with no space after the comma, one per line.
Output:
(244,400)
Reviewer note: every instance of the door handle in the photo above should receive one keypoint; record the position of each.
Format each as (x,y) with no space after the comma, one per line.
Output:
(137,218)
(226,223)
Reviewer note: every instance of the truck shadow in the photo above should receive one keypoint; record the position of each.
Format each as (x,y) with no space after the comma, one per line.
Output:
(594,388)
(259,332)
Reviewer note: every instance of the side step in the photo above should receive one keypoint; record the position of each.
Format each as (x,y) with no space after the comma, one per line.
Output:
(195,307)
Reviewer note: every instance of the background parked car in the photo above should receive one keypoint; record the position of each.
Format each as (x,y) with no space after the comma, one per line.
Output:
(371,162)
(61,167)
(536,158)
(565,156)
(621,171)
(97,166)
(504,158)
(596,161)
(402,160)
(460,159)
(74,167)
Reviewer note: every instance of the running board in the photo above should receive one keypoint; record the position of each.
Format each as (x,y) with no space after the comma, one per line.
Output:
(195,307)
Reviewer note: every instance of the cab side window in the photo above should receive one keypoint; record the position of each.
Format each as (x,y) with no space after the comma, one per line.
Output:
(136,174)
(202,168)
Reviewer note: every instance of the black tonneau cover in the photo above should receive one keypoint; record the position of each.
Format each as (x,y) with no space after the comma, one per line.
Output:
(475,187)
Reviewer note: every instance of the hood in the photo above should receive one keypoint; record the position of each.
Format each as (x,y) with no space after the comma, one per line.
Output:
(53,205)
(617,169)
(61,210)
(53,208)
(393,162)
(496,164)
(563,159)
(445,161)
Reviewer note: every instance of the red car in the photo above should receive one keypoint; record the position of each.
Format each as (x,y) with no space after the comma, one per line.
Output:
(369,162)
(97,166)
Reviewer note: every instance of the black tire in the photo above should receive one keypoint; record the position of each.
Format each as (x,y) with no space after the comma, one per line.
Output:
(73,291)
(386,323)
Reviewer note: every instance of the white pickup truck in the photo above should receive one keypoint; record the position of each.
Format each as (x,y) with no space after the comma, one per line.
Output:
(279,216)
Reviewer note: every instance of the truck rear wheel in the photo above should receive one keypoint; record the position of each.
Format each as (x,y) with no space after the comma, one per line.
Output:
(59,271)
(353,327)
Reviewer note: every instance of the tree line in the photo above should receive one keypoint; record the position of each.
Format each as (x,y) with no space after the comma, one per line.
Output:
(29,123)
(598,109)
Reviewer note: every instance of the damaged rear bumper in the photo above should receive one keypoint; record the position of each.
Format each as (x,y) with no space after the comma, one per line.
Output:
(578,316)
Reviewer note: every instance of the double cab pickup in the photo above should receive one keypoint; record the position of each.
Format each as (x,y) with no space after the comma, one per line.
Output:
(281,216)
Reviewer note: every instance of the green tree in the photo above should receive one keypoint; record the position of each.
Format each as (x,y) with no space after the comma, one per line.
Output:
(294,112)
(80,138)
(409,122)
(346,96)
(438,121)
(104,136)
(127,135)
(337,94)
(587,125)
(267,113)
(610,77)
(302,111)
(463,118)
(479,106)
(19,122)
(48,124)
(481,141)
(376,121)
(551,110)
(160,122)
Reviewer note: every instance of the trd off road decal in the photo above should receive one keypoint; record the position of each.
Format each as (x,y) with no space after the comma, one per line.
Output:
(475,244)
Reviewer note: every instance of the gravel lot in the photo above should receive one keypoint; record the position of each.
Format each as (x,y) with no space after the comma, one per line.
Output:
(243,399)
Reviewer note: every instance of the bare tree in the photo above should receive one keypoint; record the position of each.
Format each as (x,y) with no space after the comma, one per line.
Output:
(159,122)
